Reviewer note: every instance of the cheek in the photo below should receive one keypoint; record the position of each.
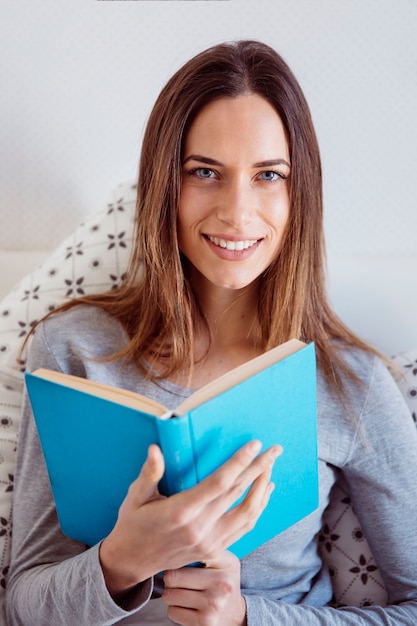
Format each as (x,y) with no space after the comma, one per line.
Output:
(278,216)
(285,223)
(183,215)
(192,210)
(285,208)
(280,226)
(187,220)
(180,234)
(284,233)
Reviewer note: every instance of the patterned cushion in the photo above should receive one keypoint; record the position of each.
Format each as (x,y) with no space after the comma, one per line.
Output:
(11,388)
(355,576)
(93,259)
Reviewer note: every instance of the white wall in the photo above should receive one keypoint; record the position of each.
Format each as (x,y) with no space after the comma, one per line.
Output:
(78,79)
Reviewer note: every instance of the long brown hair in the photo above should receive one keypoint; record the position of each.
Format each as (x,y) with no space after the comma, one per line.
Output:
(159,309)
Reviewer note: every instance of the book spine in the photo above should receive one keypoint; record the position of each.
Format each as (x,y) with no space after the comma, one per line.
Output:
(177,448)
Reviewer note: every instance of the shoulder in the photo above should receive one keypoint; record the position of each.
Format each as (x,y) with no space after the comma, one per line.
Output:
(80,333)
(81,322)
(369,369)
(81,313)
(372,402)
(373,373)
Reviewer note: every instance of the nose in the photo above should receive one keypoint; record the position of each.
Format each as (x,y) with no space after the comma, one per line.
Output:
(236,204)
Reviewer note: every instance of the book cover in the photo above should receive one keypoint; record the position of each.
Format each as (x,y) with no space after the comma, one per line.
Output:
(95,447)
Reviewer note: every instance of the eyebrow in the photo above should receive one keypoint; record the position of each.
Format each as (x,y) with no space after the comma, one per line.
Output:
(201,159)
(271,162)
(210,161)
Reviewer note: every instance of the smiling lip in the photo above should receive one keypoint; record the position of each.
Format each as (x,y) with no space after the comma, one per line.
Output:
(232,244)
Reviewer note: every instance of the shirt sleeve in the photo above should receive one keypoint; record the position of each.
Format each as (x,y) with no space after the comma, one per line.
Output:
(380,473)
(60,577)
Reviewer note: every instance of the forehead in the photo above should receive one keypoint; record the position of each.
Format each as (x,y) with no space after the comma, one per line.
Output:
(248,124)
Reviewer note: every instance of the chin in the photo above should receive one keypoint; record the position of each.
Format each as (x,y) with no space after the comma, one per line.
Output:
(232,285)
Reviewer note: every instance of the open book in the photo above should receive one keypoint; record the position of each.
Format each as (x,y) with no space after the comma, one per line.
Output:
(95,439)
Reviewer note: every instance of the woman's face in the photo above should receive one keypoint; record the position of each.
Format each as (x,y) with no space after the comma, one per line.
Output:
(234,196)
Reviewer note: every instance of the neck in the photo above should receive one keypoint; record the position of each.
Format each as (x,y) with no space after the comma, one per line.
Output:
(233,334)
(231,317)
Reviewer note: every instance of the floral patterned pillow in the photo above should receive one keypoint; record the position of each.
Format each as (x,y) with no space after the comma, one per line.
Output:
(93,259)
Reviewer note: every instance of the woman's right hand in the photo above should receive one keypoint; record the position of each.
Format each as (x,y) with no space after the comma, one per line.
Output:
(154,532)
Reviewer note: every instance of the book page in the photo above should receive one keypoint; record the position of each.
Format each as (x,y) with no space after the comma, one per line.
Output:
(108,392)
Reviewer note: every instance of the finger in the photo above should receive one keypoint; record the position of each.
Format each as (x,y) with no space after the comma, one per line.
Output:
(242,518)
(208,591)
(222,479)
(186,578)
(260,466)
(197,578)
(184,617)
(233,477)
(223,560)
(145,487)
(186,598)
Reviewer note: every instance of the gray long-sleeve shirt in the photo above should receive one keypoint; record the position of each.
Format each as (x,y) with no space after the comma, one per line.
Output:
(56,581)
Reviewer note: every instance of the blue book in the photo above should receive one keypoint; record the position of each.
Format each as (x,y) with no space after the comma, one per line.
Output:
(95,439)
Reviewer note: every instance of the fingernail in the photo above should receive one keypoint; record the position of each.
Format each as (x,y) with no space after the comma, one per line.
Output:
(254,446)
(276,451)
(273,454)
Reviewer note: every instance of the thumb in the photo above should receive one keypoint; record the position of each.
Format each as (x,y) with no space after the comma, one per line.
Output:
(145,487)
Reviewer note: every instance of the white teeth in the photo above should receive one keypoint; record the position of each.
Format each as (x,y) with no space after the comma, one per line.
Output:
(233,245)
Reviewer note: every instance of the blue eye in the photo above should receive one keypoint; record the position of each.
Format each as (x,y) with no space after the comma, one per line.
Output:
(270,175)
(203,172)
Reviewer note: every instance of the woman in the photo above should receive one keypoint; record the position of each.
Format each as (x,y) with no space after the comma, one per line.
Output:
(228,262)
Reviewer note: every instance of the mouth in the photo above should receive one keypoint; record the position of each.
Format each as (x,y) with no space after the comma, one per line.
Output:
(229,244)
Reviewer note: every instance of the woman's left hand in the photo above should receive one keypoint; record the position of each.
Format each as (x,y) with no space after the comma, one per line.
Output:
(206,596)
